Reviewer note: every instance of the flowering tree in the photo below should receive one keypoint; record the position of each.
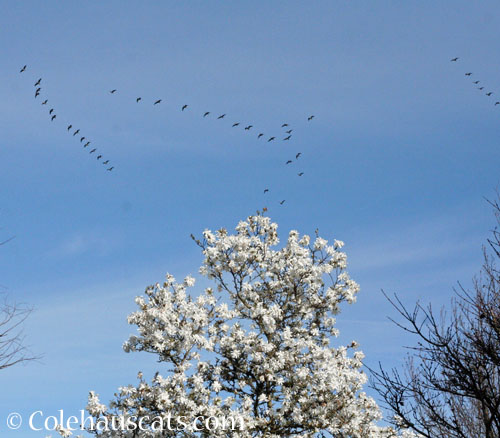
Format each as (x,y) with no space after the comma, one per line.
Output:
(257,346)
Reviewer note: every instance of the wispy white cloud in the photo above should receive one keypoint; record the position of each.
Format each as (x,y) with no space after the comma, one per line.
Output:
(437,239)
(81,243)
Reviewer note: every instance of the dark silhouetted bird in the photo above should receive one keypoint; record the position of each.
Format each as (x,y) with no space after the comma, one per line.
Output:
(221,116)
(37,93)
(235,124)
(300,174)
(481,88)
(105,162)
(468,74)
(69,127)
(110,169)
(266,190)
(454,60)
(113,91)
(99,157)
(76,132)
(298,155)
(271,139)
(489,94)
(52,118)
(310,118)
(45,102)
(260,135)
(157,102)
(23,69)
(86,144)
(92,151)
(289,162)
(247,128)
(284,125)
(287,138)
(497,103)
(476,82)
(83,138)
(51,111)
(138,99)
(184,107)
(282,202)
(37,83)
(206,114)
(289,131)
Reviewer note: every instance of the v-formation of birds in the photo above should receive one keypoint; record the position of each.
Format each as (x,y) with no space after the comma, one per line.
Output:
(86,143)
(285,126)
(480,87)
(83,140)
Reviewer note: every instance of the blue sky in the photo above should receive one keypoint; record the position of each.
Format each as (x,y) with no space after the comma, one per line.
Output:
(396,163)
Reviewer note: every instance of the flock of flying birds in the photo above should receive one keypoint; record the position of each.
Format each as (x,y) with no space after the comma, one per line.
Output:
(83,140)
(285,136)
(480,87)
(287,133)
(287,130)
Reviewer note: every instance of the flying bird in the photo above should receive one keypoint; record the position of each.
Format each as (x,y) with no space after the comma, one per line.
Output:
(76,132)
(287,138)
(138,99)
(310,118)
(206,114)
(83,138)
(497,103)
(37,83)
(289,162)
(489,94)
(266,190)
(52,118)
(157,102)
(221,116)
(23,69)
(468,74)
(105,162)
(99,157)
(300,174)
(260,135)
(476,82)
(481,88)
(235,124)
(298,155)
(184,107)
(247,128)
(271,139)
(113,91)
(37,93)
(284,125)
(282,202)
(110,169)
(86,144)
(289,131)
(92,151)
(45,102)
(454,60)
(51,111)
(69,127)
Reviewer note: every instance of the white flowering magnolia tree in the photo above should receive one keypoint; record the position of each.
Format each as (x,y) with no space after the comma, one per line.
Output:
(256,346)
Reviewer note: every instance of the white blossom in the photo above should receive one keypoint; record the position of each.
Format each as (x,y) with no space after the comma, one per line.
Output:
(257,345)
